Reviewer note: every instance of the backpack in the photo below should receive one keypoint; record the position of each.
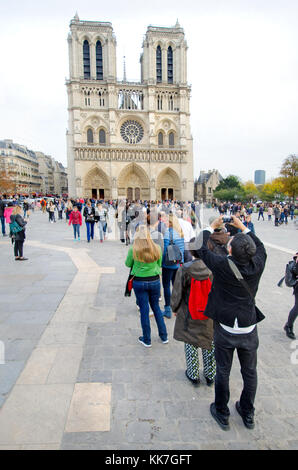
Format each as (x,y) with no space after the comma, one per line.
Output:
(198,298)
(15,227)
(291,274)
(173,255)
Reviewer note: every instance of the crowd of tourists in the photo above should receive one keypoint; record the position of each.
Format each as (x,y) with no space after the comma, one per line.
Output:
(280,211)
(209,278)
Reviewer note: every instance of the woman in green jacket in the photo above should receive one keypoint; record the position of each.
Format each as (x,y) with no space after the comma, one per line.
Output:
(145,258)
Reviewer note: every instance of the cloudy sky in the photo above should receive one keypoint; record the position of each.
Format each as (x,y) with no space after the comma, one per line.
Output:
(242,66)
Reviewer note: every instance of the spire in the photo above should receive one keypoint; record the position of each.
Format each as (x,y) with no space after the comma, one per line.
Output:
(124,70)
(76,17)
(177,25)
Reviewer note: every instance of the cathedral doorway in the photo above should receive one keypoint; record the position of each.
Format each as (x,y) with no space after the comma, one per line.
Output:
(133,183)
(168,185)
(96,184)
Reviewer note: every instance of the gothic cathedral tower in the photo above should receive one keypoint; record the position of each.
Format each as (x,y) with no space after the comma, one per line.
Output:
(128,139)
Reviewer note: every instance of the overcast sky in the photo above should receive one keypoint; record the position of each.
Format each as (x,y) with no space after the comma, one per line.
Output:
(242,66)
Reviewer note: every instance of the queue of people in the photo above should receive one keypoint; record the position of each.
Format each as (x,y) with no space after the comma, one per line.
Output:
(212,299)
(209,280)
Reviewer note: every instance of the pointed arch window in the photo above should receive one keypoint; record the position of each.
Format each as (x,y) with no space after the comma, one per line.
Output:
(158,64)
(102,137)
(90,136)
(99,62)
(160,139)
(170,64)
(86,59)
(171,139)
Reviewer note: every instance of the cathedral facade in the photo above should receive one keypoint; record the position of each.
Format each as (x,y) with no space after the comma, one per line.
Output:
(128,139)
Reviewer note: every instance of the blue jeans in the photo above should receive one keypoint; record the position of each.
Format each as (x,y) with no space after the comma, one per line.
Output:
(90,230)
(3,224)
(148,292)
(76,230)
(101,229)
(168,275)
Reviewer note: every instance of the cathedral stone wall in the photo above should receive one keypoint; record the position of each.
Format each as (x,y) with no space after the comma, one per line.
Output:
(128,139)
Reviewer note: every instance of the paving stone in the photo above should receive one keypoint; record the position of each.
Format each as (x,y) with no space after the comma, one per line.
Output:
(153,406)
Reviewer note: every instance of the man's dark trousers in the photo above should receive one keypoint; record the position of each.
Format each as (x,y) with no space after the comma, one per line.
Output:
(2,224)
(246,346)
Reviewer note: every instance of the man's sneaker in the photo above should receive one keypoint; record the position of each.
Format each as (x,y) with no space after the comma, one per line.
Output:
(248,420)
(141,340)
(222,421)
(289,332)
(164,341)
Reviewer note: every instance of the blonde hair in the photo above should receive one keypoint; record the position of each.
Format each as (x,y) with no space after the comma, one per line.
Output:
(144,248)
(16,210)
(174,224)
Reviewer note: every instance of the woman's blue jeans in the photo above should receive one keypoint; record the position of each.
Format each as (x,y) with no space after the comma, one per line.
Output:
(148,292)
(90,230)
(168,276)
(101,229)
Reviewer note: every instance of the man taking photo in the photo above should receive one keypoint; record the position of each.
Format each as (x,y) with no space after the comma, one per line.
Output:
(231,306)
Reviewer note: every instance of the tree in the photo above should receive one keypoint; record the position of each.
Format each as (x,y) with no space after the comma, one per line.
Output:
(273,190)
(7,185)
(230,182)
(289,173)
(251,191)
(230,189)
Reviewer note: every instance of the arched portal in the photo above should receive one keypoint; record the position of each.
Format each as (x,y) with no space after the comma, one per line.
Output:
(133,183)
(97,184)
(168,185)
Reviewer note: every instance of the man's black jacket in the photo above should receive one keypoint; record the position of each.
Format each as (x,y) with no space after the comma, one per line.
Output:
(2,207)
(228,299)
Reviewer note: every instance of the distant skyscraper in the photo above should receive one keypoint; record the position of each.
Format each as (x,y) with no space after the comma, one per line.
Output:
(260,177)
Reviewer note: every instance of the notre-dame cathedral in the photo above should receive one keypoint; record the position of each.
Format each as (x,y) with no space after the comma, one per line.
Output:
(128,139)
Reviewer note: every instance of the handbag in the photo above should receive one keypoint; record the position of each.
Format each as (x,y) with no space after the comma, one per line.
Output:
(259,315)
(15,227)
(173,255)
(129,284)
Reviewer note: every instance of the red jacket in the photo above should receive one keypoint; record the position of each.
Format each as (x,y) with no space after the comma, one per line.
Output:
(75,218)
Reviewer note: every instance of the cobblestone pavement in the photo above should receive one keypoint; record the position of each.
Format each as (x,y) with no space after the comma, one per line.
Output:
(75,377)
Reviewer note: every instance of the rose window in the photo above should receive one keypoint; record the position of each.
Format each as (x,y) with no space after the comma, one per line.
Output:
(132,132)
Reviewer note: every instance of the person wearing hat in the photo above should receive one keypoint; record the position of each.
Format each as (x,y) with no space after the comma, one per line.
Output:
(231,306)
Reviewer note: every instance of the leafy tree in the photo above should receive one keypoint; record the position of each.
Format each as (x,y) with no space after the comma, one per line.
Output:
(230,182)
(7,185)
(251,191)
(289,173)
(273,190)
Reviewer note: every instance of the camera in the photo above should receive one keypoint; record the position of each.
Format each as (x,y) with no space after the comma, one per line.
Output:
(227,220)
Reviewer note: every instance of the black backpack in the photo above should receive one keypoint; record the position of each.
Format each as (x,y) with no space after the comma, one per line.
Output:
(291,274)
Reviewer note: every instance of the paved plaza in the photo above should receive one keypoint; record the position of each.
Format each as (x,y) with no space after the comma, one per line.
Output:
(75,377)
